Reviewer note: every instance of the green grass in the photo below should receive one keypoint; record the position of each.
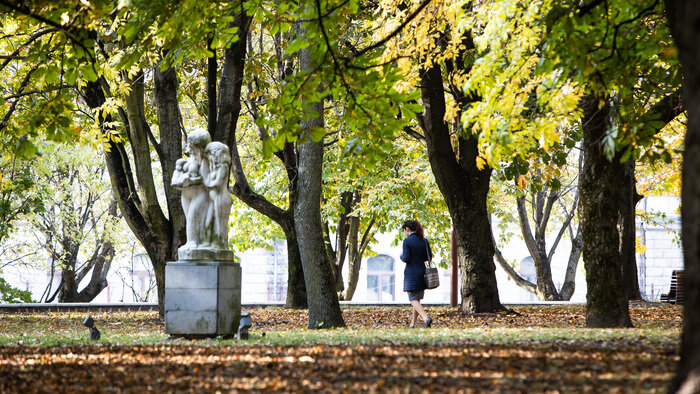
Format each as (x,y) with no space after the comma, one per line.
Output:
(130,329)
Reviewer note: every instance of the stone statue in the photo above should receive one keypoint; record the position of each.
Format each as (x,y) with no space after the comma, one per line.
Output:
(203,287)
(203,179)
(219,197)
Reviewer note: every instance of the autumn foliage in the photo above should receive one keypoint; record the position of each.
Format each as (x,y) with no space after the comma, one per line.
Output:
(536,349)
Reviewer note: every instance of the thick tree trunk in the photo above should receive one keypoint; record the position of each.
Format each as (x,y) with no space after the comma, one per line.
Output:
(627,227)
(324,308)
(683,18)
(98,266)
(606,304)
(169,150)
(69,286)
(464,188)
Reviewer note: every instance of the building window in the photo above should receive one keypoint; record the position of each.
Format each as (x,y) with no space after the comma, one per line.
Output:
(380,278)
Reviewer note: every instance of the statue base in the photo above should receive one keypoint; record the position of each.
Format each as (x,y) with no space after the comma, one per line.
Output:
(202,298)
(206,254)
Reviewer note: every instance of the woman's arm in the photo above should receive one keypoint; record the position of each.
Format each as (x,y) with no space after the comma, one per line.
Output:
(406,255)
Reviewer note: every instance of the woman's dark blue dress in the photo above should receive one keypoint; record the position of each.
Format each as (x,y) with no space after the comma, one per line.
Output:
(415,253)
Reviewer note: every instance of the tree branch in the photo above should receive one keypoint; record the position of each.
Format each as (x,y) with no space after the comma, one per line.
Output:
(393,33)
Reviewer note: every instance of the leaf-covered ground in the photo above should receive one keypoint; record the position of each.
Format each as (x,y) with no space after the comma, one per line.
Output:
(543,349)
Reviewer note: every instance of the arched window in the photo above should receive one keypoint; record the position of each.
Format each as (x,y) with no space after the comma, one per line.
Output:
(380,278)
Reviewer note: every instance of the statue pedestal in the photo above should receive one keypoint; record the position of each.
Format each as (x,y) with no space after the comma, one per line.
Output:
(202,298)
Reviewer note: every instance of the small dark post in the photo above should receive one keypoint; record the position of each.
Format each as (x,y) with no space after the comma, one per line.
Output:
(246,323)
(94,332)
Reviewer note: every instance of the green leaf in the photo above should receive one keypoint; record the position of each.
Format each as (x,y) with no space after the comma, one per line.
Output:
(296,45)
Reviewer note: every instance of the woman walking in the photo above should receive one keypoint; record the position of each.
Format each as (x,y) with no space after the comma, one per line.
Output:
(416,251)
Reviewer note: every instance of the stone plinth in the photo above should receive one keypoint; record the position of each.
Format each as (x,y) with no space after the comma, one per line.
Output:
(202,298)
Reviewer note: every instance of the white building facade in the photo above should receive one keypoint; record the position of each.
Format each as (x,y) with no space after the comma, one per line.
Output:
(264,271)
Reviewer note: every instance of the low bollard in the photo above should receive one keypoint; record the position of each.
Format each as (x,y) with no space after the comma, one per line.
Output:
(94,332)
(246,323)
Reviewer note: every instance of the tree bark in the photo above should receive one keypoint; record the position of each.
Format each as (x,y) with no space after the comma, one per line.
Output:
(465,188)
(569,286)
(537,247)
(606,304)
(683,17)
(169,150)
(212,102)
(230,86)
(666,110)
(158,244)
(324,308)
(355,260)
(627,228)
(296,288)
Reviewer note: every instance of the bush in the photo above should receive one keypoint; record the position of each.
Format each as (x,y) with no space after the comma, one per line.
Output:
(13,295)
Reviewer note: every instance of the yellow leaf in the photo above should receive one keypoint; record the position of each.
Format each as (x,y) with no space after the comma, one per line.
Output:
(480,163)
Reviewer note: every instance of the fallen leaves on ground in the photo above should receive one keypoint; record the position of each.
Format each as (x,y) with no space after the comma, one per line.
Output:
(543,349)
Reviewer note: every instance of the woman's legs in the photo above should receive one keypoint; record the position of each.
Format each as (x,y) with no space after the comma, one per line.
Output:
(418,308)
(414,315)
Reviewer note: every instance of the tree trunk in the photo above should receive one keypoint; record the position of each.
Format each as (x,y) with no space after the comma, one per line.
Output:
(102,260)
(69,286)
(324,308)
(569,286)
(355,259)
(464,188)
(627,227)
(296,289)
(537,247)
(230,86)
(606,304)
(683,17)
(342,239)
(354,265)
(666,110)
(170,150)
(157,243)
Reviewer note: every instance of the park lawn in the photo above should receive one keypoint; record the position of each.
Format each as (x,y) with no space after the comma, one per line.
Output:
(542,348)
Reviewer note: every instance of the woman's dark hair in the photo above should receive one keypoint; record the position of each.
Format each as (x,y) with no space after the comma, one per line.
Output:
(414,226)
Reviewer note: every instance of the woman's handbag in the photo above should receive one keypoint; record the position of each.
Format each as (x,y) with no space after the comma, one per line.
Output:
(432,279)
